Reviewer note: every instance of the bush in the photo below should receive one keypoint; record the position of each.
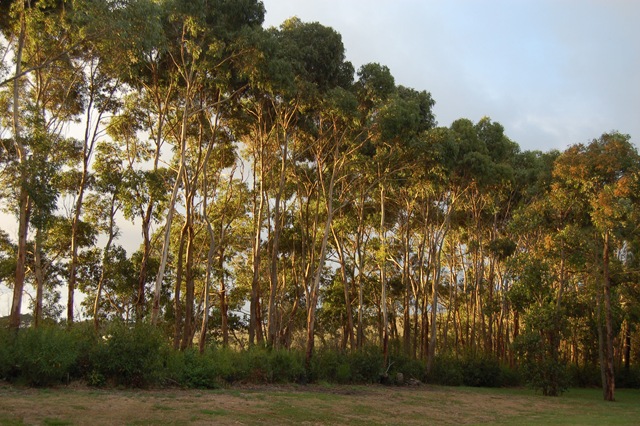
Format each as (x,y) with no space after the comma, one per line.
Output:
(191,369)
(7,353)
(328,365)
(366,365)
(87,342)
(130,355)
(628,378)
(584,376)
(510,377)
(481,371)
(360,366)
(410,368)
(285,366)
(44,356)
(540,369)
(229,365)
(447,371)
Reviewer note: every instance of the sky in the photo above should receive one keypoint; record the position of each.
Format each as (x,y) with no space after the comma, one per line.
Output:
(552,72)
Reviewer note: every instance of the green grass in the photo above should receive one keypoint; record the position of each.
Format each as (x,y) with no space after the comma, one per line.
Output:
(358,405)
(162,407)
(4,421)
(214,412)
(57,422)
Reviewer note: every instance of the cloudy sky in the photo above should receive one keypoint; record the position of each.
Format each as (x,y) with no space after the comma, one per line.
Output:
(552,72)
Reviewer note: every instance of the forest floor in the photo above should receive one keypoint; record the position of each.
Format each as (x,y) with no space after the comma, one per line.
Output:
(312,405)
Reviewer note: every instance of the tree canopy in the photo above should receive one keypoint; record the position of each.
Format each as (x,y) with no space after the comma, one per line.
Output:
(284,199)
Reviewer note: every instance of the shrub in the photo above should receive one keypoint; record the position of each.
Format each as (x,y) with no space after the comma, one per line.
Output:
(540,368)
(7,353)
(343,373)
(87,341)
(44,356)
(446,370)
(510,377)
(366,365)
(410,368)
(628,378)
(481,371)
(254,365)
(130,355)
(360,366)
(326,365)
(285,366)
(584,376)
(228,363)
(191,369)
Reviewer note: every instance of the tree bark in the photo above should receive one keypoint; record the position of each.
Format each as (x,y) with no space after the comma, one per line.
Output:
(24,203)
(311,309)
(275,246)
(177,303)
(609,384)
(383,279)
(39,274)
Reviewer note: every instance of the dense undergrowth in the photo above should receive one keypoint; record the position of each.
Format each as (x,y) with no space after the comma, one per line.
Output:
(140,356)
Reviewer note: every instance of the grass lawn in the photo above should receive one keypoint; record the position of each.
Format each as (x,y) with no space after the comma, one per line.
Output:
(313,404)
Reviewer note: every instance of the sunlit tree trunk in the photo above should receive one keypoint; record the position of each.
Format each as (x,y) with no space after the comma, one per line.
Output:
(24,207)
(383,278)
(609,383)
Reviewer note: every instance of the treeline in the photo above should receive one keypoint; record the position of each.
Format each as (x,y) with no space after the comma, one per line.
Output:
(286,200)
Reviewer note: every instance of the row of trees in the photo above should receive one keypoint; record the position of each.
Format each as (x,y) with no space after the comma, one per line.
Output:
(267,176)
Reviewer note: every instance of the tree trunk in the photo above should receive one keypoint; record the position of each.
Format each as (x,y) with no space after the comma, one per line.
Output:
(177,303)
(609,384)
(223,303)
(272,328)
(311,316)
(383,279)
(407,285)
(105,260)
(24,204)
(434,306)
(167,231)
(627,346)
(39,274)
(255,328)
(189,329)
(207,285)
(347,290)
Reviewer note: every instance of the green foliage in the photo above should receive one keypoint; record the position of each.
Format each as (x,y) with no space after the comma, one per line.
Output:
(410,368)
(285,366)
(540,368)
(325,365)
(130,355)
(193,370)
(366,365)
(7,355)
(273,365)
(481,371)
(628,378)
(331,366)
(472,370)
(360,366)
(44,356)
(447,371)
(87,342)
(217,366)
(584,376)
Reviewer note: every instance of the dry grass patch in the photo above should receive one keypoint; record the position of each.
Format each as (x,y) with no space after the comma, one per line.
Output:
(313,404)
